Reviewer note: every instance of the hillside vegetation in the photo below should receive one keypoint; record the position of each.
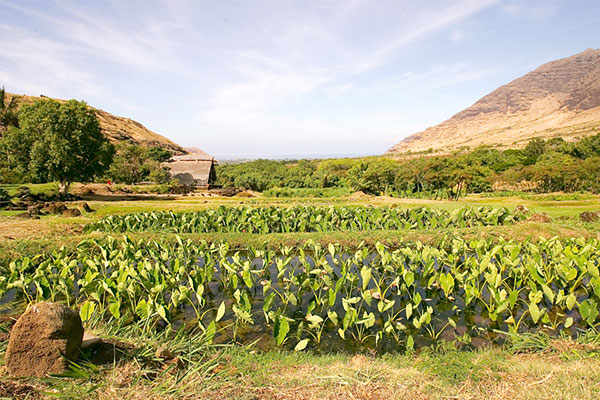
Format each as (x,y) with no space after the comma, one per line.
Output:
(117,129)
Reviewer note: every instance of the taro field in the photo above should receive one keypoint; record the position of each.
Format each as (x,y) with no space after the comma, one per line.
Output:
(269,300)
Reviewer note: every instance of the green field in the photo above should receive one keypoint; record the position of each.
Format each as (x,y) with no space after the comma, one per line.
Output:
(372,310)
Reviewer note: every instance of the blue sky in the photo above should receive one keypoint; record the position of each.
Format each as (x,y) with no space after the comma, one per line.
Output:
(284,78)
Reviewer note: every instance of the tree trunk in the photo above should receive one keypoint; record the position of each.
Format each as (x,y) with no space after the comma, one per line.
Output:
(63,188)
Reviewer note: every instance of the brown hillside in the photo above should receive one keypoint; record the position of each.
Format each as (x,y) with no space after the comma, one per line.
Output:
(560,98)
(119,129)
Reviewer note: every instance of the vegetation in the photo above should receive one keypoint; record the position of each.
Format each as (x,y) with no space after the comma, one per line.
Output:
(470,366)
(302,219)
(372,297)
(545,166)
(56,142)
(8,112)
(135,164)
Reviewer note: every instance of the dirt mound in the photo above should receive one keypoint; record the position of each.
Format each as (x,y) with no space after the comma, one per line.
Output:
(543,218)
(590,216)
(43,339)
(359,195)
(247,193)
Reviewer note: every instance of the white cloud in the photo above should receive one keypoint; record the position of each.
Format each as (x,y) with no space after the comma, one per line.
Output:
(531,8)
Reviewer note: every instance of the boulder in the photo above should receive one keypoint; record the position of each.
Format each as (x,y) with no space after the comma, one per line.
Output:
(589,216)
(85,207)
(35,209)
(55,208)
(71,212)
(43,339)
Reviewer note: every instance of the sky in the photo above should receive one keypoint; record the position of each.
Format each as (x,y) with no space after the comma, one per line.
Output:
(284,79)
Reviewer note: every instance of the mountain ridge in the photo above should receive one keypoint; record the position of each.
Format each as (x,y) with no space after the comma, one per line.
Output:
(559,98)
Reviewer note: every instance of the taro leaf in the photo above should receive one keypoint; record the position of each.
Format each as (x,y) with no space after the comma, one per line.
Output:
(410,343)
(549,293)
(220,312)
(301,345)
(333,316)
(569,322)
(314,320)
(535,312)
(409,310)
(114,309)
(162,311)
(409,278)
(86,310)
(211,330)
(268,302)
(368,320)
(281,329)
(142,309)
(365,274)
(589,311)
(447,283)
(571,299)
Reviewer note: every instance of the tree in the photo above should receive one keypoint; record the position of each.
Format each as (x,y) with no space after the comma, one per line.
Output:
(534,149)
(159,154)
(8,112)
(59,142)
(373,176)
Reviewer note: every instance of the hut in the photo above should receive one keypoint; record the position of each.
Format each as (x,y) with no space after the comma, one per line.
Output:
(196,168)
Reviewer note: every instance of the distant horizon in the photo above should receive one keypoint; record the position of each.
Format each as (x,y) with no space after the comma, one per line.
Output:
(290,156)
(279,80)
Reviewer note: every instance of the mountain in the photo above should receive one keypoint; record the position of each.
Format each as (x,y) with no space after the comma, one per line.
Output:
(118,129)
(560,98)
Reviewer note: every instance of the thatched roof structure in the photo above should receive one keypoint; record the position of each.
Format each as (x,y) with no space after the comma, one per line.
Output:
(197,168)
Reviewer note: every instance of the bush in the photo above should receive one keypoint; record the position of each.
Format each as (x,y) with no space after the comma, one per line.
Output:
(4,197)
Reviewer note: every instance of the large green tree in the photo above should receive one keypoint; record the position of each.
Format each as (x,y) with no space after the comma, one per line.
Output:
(8,112)
(59,142)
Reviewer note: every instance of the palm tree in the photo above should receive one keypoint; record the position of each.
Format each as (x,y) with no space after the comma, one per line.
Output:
(8,112)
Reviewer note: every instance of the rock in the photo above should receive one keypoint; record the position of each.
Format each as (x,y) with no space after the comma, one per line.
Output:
(164,353)
(55,208)
(27,215)
(85,207)
(89,340)
(589,216)
(43,339)
(35,209)
(521,210)
(71,212)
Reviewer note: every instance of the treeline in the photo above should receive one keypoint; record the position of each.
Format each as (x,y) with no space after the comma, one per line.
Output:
(542,166)
(62,141)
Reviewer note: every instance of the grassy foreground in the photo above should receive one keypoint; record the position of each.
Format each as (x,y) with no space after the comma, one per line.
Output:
(533,367)
(542,369)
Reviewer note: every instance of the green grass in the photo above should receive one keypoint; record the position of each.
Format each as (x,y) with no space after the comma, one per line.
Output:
(36,188)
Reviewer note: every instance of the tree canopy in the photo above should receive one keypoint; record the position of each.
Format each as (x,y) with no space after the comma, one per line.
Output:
(58,142)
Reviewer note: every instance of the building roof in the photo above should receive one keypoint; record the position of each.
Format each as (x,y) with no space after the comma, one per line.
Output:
(193,157)
(194,153)
(191,169)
